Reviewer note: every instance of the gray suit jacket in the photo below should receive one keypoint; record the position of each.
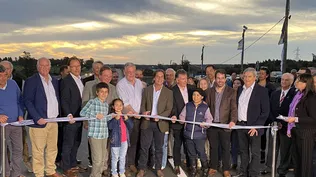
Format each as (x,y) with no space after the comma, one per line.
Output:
(89,92)
(164,107)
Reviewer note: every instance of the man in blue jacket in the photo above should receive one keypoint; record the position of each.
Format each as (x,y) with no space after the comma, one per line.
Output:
(10,111)
(41,99)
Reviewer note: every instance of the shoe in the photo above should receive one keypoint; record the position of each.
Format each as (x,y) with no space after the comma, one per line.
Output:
(282,175)
(141,173)
(78,162)
(169,157)
(176,170)
(70,173)
(115,175)
(266,171)
(226,174)
(212,172)
(90,165)
(28,166)
(82,168)
(234,166)
(122,175)
(55,175)
(291,169)
(133,168)
(263,157)
(160,173)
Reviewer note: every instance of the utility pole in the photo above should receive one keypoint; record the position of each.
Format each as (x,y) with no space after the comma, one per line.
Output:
(243,48)
(202,57)
(182,60)
(297,54)
(286,23)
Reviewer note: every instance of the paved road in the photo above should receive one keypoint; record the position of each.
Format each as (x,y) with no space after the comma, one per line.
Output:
(83,154)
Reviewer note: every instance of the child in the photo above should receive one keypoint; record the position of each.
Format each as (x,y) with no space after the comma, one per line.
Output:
(119,137)
(97,128)
(195,135)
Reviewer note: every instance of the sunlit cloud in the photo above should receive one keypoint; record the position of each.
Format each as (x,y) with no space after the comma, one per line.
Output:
(144,17)
(85,26)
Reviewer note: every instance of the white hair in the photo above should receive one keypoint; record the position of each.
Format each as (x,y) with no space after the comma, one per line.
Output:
(7,62)
(252,70)
(172,70)
(129,64)
(291,76)
(42,58)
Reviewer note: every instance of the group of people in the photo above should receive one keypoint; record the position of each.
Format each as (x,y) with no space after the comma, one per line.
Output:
(121,145)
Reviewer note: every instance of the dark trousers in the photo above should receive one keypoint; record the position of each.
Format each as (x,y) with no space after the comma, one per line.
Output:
(71,142)
(253,142)
(196,148)
(270,149)
(286,150)
(234,147)
(264,140)
(219,138)
(304,141)
(134,144)
(178,141)
(152,133)
(60,141)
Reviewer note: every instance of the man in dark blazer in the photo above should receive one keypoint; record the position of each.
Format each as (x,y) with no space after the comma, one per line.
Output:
(71,88)
(156,100)
(222,103)
(182,94)
(253,109)
(41,99)
(280,101)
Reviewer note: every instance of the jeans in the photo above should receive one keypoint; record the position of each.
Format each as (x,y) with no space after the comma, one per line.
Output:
(165,151)
(118,154)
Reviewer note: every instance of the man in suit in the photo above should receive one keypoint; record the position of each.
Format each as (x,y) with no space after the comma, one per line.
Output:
(156,100)
(71,88)
(182,94)
(170,78)
(253,109)
(96,66)
(222,102)
(210,74)
(41,99)
(264,78)
(280,101)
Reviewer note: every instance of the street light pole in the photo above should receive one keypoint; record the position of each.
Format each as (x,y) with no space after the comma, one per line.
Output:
(243,48)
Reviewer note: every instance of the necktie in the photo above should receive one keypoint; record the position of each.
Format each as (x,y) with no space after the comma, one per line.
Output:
(282,97)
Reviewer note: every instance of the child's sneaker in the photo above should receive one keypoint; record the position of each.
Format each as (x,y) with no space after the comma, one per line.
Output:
(122,175)
(115,175)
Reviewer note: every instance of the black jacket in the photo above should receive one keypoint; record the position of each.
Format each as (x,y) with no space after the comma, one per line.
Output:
(178,104)
(258,106)
(306,112)
(70,97)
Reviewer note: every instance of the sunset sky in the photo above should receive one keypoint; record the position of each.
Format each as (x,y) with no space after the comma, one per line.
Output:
(153,31)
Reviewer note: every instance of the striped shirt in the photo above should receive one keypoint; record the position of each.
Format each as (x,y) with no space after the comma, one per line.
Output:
(97,129)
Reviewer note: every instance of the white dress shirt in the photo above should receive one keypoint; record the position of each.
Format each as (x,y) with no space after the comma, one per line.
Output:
(3,88)
(52,103)
(156,95)
(243,102)
(130,94)
(79,83)
(285,93)
(184,94)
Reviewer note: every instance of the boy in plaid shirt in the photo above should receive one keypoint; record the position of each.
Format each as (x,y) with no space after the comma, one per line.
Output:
(98,129)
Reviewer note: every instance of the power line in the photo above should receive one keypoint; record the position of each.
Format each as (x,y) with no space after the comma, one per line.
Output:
(254,41)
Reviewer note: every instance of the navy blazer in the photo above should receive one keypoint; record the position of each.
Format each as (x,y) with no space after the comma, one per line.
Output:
(258,106)
(34,98)
(276,109)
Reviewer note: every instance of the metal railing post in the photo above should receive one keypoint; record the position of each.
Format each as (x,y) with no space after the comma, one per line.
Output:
(274,130)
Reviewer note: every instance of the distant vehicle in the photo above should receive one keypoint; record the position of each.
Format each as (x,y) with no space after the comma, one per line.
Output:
(275,76)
